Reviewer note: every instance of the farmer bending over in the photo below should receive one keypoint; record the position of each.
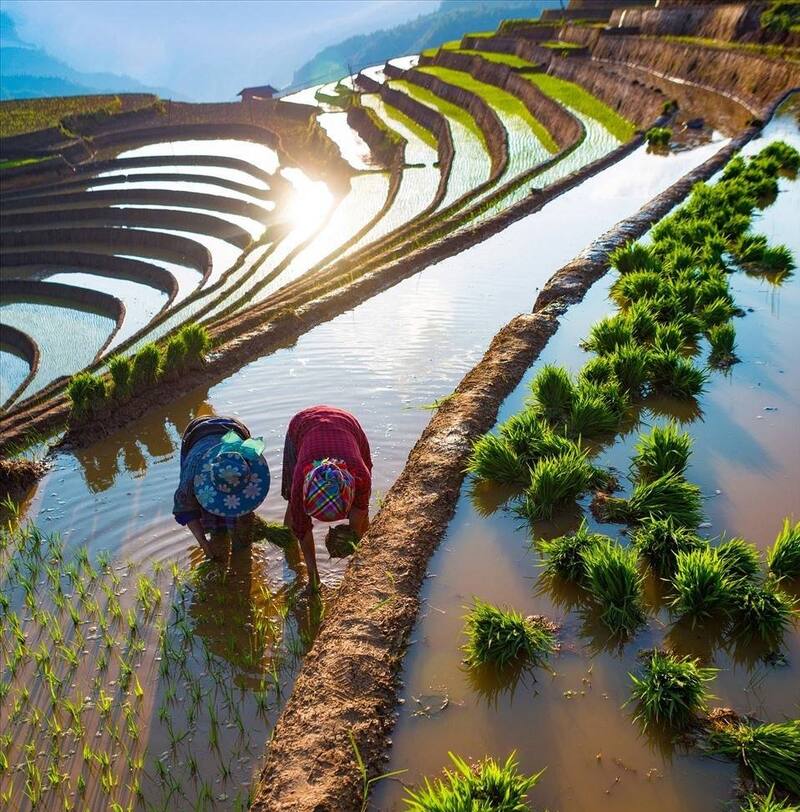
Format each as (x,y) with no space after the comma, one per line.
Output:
(224,477)
(327,475)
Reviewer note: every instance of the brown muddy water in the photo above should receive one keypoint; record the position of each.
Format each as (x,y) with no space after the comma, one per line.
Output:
(570,720)
(243,629)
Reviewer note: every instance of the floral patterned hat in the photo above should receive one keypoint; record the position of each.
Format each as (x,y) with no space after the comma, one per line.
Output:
(234,476)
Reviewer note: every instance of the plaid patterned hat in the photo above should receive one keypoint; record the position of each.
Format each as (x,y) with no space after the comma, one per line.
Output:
(328,490)
(234,477)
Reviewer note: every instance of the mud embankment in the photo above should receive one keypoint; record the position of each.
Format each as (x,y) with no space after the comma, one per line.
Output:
(488,122)
(431,120)
(133,270)
(753,80)
(171,247)
(387,148)
(358,652)
(25,347)
(724,21)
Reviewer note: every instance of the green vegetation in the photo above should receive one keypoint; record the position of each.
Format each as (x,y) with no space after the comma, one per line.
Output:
(562,46)
(762,49)
(513,61)
(722,338)
(667,497)
(782,15)
(763,613)
(665,450)
(739,559)
(702,587)
(671,690)
(659,541)
(564,555)
(584,102)
(555,483)
(615,584)
(503,637)
(767,803)
(16,162)
(658,136)
(783,558)
(487,785)
(90,394)
(770,751)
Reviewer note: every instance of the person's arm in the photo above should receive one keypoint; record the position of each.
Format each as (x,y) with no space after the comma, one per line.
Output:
(302,527)
(359,521)
(197,531)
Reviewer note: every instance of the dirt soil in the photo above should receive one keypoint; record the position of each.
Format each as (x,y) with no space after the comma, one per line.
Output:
(359,651)
(17,476)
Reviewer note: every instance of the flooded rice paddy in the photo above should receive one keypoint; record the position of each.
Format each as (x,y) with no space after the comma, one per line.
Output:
(569,719)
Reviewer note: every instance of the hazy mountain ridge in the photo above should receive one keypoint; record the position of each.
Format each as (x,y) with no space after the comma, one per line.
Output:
(29,72)
(452,20)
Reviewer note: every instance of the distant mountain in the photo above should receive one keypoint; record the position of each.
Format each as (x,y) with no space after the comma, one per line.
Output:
(28,72)
(452,20)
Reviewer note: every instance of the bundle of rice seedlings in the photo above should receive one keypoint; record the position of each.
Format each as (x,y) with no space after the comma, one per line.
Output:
(553,392)
(632,257)
(702,587)
(671,690)
(502,636)
(669,337)
(680,258)
(685,293)
(722,338)
(732,225)
(785,154)
(612,394)
(658,541)
(608,334)
(770,751)
(613,579)
(590,416)
(120,368)
(485,787)
(672,374)
(87,393)
(690,326)
(714,286)
(664,450)
(763,612)
(777,259)
(530,439)
(643,325)
(783,558)
(630,364)
(597,370)
(197,342)
(634,287)
(492,459)
(713,250)
(658,136)
(717,312)
(146,367)
(340,541)
(555,483)
(734,168)
(750,248)
(174,356)
(767,803)
(564,555)
(669,496)
(739,558)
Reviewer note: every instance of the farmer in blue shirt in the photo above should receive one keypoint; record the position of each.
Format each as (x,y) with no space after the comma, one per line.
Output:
(224,478)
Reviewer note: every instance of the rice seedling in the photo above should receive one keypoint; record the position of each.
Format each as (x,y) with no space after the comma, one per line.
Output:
(87,394)
(671,690)
(590,416)
(614,582)
(197,341)
(658,136)
(634,287)
(701,586)
(554,483)
(716,312)
(783,558)
(786,155)
(767,803)
(174,356)
(658,541)
(643,324)
(669,496)
(530,439)
(502,636)
(487,785)
(609,333)
(770,751)
(552,391)
(597,370)
(632,257)
(564,555)
(664,450)
(630,366)
(145,367)
(763,612)
(722,338)
(672,374)
(739,558)
(492,459)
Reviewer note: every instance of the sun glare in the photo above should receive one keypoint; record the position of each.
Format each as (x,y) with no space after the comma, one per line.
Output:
(310,201)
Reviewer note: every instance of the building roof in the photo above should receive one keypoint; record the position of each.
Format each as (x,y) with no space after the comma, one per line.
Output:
(259,89)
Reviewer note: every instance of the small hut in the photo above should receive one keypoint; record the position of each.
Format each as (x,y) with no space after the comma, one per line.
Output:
(260,92)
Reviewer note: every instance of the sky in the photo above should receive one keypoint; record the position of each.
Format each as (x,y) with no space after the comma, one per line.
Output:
(203,49)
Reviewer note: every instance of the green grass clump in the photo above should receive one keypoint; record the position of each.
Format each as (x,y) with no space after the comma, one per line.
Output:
(664,450)
(608,334)
(770,751)
(485,787)
(146,367)
(668,497)
(174,355)
(767,803)
(671,690)
(672,374)
(197,342)
(739,558)
(783,558)
(631,368)
(555,483)
(669,337)
(553,392)
(564,555)
(702,587)
(776,259)
(88,394)
(597,370)
(632,257)
(591,415)
(659,541)
(613,579)
(786,155)
(763,612)
(493,459)
(120,367)
(658,136)
(502,636)
(642,321)
(722,338)
(530,439)
(635,286)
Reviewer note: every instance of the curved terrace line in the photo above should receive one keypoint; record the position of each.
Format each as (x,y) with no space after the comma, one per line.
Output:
(23,346)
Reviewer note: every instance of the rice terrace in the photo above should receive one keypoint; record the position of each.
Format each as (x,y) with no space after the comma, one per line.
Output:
(419,431)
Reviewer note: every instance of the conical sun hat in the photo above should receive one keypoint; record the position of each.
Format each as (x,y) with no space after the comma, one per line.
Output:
(234,476)
(328,490)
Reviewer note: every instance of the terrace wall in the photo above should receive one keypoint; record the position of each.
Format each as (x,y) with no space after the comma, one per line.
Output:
(22,344)
(726,21)
(485,117)
(387,150)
